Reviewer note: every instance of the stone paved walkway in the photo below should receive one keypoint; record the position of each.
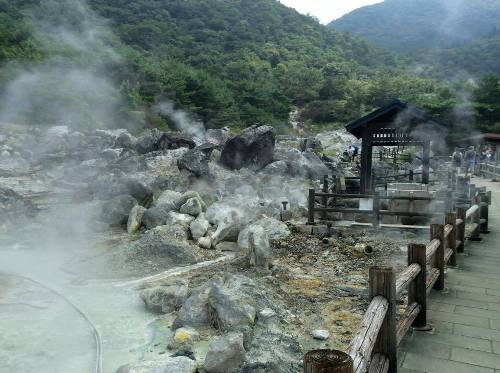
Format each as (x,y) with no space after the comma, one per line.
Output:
(466,317)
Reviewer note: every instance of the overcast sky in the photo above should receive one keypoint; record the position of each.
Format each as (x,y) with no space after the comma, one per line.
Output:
(327,10)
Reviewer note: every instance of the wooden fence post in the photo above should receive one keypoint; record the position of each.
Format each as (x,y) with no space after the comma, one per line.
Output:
(461,214)
(476,219)
(484,212)
(411,177)
(451,240)
(437,232)
(383,282)
(324,198)
(376,208)
(312,196)
(328,361)
(417,290)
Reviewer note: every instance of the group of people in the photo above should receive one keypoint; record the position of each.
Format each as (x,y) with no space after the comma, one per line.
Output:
(467,158)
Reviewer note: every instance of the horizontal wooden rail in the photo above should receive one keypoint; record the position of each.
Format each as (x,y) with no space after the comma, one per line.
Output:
(471,211)
(407,320)
(374,347)
(431,279)
(448,254)
(379,364)
(406,276)
(431,249)
(362,345)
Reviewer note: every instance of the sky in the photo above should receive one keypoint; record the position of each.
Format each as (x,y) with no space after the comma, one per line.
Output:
(327,10)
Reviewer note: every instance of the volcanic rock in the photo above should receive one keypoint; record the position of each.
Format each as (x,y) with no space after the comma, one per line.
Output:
(253,148)
(225,354)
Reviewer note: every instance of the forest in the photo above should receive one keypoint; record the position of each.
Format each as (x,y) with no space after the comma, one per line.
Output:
(235,63)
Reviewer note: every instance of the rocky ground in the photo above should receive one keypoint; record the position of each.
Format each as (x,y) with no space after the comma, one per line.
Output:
(253,293)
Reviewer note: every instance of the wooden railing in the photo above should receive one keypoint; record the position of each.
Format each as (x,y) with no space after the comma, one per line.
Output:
(376,212)
(374,347)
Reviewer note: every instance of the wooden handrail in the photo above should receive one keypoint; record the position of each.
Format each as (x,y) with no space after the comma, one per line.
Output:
(379,364)
(362,345)
(407,320)
(374,346)
(431,279)
(431,249)
(406,276)
(471,211)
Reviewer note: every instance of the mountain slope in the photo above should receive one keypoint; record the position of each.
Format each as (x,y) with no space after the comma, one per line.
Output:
(410,25)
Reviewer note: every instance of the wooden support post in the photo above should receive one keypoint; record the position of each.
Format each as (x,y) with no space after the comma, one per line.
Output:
(376,209)
(476,219)
(383,282)
(366,163)
(328,361)
(324,215)
(411,177)
(461,213)
(312,196)
(426,154)
(417,290)
(437,232)
(484,212)
(451,240)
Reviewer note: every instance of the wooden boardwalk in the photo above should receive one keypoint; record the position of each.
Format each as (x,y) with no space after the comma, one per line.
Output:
(466,316)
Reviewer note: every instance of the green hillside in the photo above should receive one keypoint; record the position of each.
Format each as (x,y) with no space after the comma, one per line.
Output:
(228,62)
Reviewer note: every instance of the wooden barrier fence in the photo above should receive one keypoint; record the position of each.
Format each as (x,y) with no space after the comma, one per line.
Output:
(374,347)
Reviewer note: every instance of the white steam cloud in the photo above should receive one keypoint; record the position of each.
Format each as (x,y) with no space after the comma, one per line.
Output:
(72,85)
(183,121)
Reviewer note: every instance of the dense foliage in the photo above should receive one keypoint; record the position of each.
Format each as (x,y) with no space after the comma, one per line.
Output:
(229,62)
(448,37)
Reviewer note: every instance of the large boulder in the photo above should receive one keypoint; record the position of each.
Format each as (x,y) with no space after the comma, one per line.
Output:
(274,229)
(259,250)
(199,227)
(116,210)
(194,311)
(158,215)
(166,298)
(148,142)
(336,142)
(175,141)
(169,197)
(195,161)
(303,164)
(192,207)
(228,229)
(141,192)
(167,242)
(177,364)
(225,354)
(231,305)
(135,219)
(183,220)
(253,148)
(217,136)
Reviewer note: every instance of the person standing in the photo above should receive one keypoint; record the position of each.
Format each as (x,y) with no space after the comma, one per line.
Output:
(470,160)
(456,159)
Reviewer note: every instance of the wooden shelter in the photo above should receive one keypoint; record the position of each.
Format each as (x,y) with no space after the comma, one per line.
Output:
(396,124)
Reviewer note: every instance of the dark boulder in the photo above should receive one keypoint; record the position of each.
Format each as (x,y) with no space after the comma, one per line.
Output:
(195,161)
(148,142)
(253,148)
(175,141)
(116,210)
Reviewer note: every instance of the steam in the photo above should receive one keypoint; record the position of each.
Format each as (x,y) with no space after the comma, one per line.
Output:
(72,85)
(183,121)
